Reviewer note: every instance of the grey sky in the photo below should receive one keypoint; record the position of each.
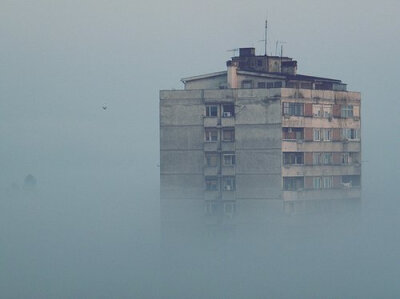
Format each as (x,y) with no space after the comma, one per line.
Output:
(61,60)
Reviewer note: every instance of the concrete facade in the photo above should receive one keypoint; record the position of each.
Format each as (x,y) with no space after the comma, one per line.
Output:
(250,133)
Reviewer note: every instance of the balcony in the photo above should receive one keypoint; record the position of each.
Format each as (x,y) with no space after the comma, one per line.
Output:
(211,121)
(228,170)
(211,146)
(228,121)
(227,146)
(210,171)
(320,146)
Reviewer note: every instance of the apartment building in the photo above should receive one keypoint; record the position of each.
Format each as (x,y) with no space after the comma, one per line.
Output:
(259,130)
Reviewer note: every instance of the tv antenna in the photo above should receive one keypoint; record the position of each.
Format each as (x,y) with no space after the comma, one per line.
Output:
(276,46)
(265,38)
(266,34)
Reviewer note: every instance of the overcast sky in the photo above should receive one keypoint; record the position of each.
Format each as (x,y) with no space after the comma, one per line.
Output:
(62,60)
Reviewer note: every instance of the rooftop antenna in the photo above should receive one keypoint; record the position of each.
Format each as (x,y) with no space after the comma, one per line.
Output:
(266,34)
(234,51)
(276,46)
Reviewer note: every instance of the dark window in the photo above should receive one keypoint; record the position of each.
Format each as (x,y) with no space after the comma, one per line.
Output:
(270,85)
(247,84)
(228,110)
(211,110)
(351,181)
(306,85)
(211,159)
(293,133)
(228,183)
(228,135)
(278,84)
(229,159)
(211,183)
(261,84)
(259,62)
(293,158)
(292,85)
(211,135)
(293,183)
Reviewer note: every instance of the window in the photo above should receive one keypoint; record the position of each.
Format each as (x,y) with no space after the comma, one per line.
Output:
(317,110)
(345,159)
(327,182)
(261,84)
(229,159)
(259,62)
(322,110)
(350,134)
(349,181)
(324,182)
(211,110)
(322,158)
(293,109)
(293,158)
(327,134)
(211,183)
(270,85)
(228,110)
(247,84)
(211,159)
(347,111)
(327,158)
(316,158)
(306,85)
(316,182)
(211,135)
(327,111)
(278,84)
(228,135)
(293,183)
(292,85)
(293,133)
(317,134)
(229,183)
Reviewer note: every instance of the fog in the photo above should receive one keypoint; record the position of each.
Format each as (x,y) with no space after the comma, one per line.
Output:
(90,227)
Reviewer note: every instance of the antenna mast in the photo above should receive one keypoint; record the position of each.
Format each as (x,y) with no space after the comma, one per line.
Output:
(266,32)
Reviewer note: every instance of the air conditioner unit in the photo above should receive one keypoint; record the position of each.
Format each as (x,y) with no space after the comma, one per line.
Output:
(226,114)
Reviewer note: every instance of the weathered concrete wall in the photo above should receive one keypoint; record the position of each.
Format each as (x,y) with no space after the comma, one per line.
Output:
(181,144)
(258,145)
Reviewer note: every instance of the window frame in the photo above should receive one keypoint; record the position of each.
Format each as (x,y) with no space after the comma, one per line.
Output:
(209,111)
(232,159)
(208,135)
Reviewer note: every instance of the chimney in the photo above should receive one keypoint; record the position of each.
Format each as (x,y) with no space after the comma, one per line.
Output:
(232,74)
